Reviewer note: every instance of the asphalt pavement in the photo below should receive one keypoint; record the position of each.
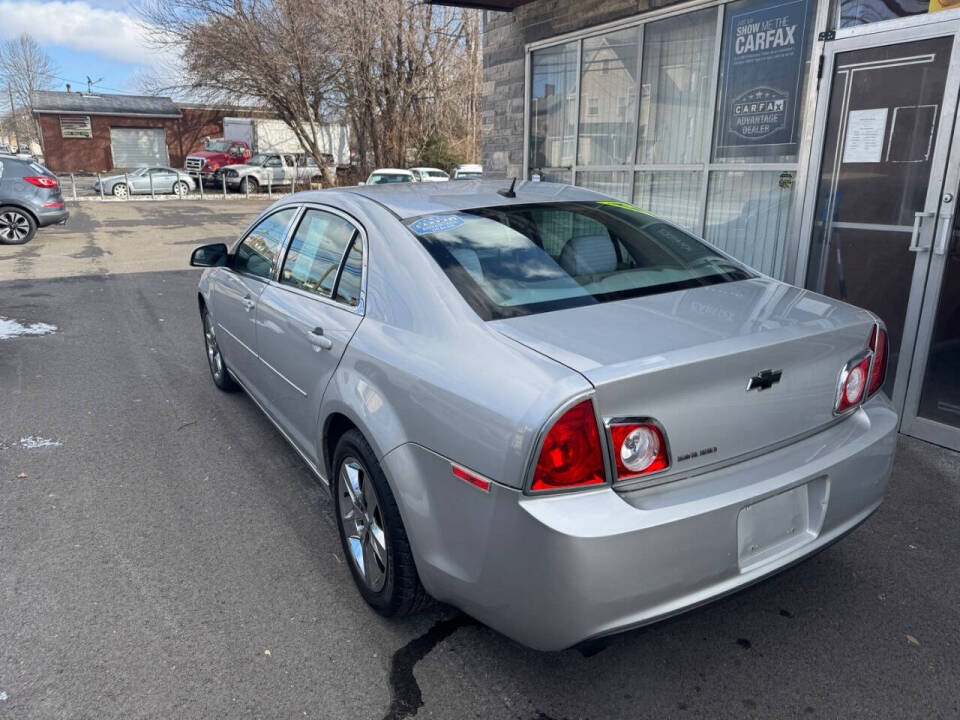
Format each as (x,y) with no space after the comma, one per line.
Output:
(165,554)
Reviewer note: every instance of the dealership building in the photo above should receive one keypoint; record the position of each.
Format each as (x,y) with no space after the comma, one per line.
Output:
(813,140)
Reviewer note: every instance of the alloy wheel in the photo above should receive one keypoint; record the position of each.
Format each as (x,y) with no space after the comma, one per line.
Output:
(362,521)
(213,349)
(180,190)
(120,191)
(14,226)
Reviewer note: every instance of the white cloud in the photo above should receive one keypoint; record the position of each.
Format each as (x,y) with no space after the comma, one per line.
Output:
(79,26)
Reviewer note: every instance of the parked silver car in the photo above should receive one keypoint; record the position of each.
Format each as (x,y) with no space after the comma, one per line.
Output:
(549,408)
(147,180)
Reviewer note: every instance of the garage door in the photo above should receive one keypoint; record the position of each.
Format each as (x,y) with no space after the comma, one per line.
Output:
(138,147)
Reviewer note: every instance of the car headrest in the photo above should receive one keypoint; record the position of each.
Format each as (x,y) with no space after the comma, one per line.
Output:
(469,260)
(589,255)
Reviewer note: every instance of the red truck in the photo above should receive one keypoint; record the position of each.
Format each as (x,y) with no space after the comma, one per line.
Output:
(217,153)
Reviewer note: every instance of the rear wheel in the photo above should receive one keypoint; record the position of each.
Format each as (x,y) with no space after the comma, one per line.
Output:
(249,186)
(371,531)
(218,368)
(120,191)
(16,226)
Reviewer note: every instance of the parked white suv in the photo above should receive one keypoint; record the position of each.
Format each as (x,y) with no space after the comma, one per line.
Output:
(467,172)
(429,174)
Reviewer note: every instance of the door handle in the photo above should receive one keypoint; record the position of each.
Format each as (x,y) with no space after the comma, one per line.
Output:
(946,231)
(248,304)
(918,218)
(319,340)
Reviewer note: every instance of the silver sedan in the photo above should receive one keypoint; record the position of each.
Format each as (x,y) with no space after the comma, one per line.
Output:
(147,181)
(549,408)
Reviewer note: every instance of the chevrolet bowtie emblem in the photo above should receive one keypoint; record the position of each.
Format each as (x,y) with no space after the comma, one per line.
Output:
(764,380)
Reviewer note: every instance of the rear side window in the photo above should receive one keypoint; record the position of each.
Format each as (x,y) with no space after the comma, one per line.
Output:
(315,252)
(524,259)
(257,254)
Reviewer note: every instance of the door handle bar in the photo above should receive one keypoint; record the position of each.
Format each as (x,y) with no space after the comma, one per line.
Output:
(946,231)
(918,218)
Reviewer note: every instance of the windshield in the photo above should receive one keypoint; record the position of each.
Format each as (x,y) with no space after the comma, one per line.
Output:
(461,175)
(525,259)
(219,145)
(258,159)
(376,179)
(137,172)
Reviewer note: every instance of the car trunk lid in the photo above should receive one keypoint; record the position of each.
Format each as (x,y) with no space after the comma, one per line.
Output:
(687,358)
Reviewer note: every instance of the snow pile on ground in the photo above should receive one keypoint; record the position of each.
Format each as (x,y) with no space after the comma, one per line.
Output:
(12,328)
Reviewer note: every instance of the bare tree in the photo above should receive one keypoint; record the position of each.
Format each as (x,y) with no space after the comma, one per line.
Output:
(396,71)
(25,68)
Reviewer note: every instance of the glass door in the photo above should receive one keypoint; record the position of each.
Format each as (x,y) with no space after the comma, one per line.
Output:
(886,136)
(932,409)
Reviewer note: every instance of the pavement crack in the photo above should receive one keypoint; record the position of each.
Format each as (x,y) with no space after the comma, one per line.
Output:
(405,695)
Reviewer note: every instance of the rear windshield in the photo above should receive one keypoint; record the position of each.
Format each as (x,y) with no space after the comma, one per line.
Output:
(524,259)
(388,178)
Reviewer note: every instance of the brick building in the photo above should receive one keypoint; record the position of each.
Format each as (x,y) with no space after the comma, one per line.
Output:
(83,132)
(814,140)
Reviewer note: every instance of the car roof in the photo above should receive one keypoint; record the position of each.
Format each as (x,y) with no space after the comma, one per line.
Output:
(470,167)
(413,199)
(391,171)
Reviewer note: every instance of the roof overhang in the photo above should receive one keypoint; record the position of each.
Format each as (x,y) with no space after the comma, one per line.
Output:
(168,116)
(499,5)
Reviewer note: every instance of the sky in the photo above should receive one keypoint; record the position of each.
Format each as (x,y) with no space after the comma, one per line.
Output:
(100,38)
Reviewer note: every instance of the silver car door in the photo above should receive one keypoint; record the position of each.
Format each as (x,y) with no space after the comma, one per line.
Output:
(306,318)
(238,287)
(139,183)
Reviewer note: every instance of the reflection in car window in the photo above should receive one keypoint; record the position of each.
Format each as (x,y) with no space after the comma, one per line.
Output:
(348,290)
(315,252)
(257,254)
(524,259)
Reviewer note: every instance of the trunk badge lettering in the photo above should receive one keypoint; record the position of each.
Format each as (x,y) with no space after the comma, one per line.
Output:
(764,380)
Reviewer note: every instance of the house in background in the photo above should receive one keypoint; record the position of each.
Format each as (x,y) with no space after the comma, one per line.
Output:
(98,132)
(814,140)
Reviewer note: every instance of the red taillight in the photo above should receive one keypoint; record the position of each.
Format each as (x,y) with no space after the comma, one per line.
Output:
(879,345)
(639,449)
(853,383)
(571,454)
(44,181)
(54,204)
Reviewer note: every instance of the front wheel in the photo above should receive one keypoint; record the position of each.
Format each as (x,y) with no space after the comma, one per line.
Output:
(371,531)
(249,186)
(16,226)
(181,189)
(218,368)
(120,191)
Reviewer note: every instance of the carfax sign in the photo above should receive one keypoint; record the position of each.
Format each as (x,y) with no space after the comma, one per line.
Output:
(763,59)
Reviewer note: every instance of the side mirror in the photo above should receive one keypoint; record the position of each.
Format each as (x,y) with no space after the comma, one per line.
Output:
(213,255)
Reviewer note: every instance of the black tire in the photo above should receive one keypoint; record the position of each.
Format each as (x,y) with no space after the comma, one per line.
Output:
(120,191)
(249,186)
(17,226)
(218,366)
(401,592)
(181,189)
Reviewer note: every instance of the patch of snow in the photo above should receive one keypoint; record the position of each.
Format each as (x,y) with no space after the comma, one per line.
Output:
(11,328)
(3,695)
(32,442)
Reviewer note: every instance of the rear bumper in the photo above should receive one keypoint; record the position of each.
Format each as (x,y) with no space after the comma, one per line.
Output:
(52,217)
(553,571)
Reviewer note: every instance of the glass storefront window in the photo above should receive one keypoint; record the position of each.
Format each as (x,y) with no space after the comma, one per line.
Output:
(674,196)
(676,88)
(553,103)
(608,98)
(861,12)
(615,183)
(763,66)
(748,216)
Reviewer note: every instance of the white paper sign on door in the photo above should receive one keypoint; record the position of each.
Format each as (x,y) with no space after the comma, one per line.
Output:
(866,130)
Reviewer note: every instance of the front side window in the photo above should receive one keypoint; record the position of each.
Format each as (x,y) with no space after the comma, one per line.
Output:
(525,259)
(257,254)
(315,252)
